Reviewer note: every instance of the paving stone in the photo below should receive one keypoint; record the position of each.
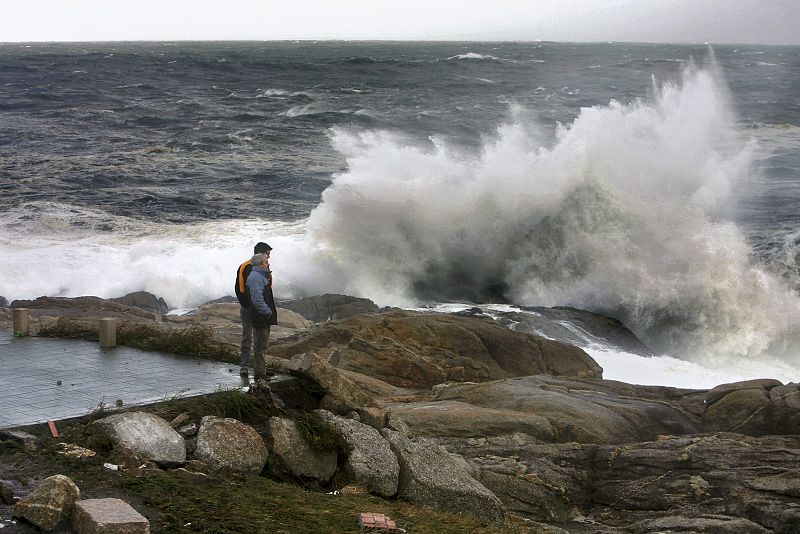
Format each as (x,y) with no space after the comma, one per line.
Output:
(90,376)
(108,516)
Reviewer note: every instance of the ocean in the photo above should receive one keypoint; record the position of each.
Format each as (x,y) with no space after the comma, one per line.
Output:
(658,184)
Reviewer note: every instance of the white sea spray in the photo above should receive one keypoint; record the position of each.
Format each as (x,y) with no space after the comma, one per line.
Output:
(624,213)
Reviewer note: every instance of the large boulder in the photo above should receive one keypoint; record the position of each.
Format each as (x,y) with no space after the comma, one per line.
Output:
(369,459)
(753,407)
(145,435)
(292,455)
(340,394)
(574,411)
(3,302)
(759,384)
(230,445)
(419,350)
(144,300)
(329,307)
(49,504)
(431,477)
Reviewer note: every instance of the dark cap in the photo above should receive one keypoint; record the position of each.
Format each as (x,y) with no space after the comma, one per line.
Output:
(261,248)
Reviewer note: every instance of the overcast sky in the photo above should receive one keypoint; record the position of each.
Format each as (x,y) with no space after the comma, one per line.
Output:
(696,21)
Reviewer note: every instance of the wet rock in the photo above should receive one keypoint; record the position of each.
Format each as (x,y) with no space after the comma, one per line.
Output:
(712,524)
(293,455)
(455,418)
(227,299)
(145,435)
(749,477)
(652,492)
(188,430)
(329,307)
(754,407)
(786,483)
(770,500)
(431,477)
(180,420)
(369,459)
(781,516)
(144,300)
(191,444)
(6,492)
(418,350)
(84,308)
(578,414)
(584,328)
(724,477)
(340,394)
(49,504)
(26,439)
(762,384)
(108,516)
(230,445)
(538,487)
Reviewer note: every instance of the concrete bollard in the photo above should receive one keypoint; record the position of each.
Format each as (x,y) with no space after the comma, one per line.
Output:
(21,322)
(108,332)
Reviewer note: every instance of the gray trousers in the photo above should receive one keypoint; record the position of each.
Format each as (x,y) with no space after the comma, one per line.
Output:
(247,337)
(260,352)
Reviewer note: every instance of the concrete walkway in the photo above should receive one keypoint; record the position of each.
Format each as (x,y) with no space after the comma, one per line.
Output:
(31,368)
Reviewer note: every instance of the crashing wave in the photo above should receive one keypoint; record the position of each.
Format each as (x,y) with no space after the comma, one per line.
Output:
(624,214)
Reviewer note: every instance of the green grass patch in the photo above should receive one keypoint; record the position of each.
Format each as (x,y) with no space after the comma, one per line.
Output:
(68,329)
(316,432)
(239,504)
(250,408)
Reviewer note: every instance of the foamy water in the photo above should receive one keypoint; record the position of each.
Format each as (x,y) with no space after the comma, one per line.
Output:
(623,213)
(669,371)
(624,210)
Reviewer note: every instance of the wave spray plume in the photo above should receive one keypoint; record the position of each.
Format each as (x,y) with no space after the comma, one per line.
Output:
(622,213)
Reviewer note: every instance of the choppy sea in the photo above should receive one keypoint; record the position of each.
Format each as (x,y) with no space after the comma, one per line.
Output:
(658,184)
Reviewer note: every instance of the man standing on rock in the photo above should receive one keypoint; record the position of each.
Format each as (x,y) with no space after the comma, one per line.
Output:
(262,312)
(244,301)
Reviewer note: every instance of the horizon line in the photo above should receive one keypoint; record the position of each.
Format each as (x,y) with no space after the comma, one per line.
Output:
(359,40)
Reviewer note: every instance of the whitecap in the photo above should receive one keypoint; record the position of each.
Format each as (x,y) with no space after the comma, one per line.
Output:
(272,92)
(473,55)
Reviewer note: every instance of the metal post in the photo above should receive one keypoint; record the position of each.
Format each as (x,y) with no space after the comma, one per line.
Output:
(108,332)
(21,322)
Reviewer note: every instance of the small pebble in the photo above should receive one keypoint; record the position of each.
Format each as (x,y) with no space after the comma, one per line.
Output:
(119,402)
(58,383)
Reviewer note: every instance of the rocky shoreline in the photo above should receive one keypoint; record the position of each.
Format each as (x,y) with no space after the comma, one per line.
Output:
(486,420)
